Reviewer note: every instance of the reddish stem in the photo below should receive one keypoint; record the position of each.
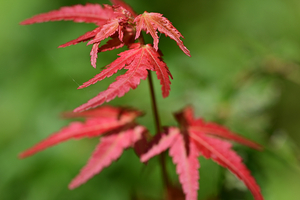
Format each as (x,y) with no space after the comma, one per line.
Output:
(158,127)
(162,159)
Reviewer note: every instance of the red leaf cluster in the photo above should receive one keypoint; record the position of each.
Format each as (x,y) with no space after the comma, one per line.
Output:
(138,60)
(194,138)
(116,126)
(117,129)
(150,22)
(123,26)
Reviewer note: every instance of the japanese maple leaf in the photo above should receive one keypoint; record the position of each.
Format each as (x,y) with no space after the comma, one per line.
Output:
(194,139)
(112,21)
(120,23)
(89,13)
(109,19)
(115,125)
(138,60)
(150,22)
(124,5)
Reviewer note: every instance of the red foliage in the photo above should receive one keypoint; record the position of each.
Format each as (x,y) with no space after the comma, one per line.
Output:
(138,60)
(115,125)
(108,150)
(124,5)
(193,139)
(124,26)
(155,21)
(89,13)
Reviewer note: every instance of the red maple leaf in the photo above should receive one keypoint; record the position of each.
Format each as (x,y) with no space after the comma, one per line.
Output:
(115,125)
(120,19)
(192,139)
(151,22)
(109,19)
(138,60)
(89,13)
(124,5)
(123,26)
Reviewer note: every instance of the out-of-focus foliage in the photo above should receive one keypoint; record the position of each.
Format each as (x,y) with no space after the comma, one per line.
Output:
(244,73)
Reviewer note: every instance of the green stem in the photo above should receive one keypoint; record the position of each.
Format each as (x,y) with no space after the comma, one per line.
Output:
(162,159)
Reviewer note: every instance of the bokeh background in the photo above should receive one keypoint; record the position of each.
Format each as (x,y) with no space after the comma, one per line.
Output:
(244,73)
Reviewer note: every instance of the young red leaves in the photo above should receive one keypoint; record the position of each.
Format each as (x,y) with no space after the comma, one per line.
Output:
(150,22)
(110,20)
(124,5)
(192,139)
(89,13)
(113,21)
(109,149)
(123,26)
(115,125)
(138,60)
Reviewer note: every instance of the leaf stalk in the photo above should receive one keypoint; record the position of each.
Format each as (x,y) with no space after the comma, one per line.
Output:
(158,127)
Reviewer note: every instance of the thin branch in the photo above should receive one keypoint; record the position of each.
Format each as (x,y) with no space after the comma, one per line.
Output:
(154,104)
(158,127)
(162,159)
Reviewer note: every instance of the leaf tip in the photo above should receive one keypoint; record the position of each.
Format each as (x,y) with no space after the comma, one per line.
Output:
(22,155)
(26,22)
(72,185)
(26,153)
(77,110)
(186,51)
(144,158)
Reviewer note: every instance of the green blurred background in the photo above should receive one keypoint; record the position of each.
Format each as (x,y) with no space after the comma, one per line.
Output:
(244,73)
